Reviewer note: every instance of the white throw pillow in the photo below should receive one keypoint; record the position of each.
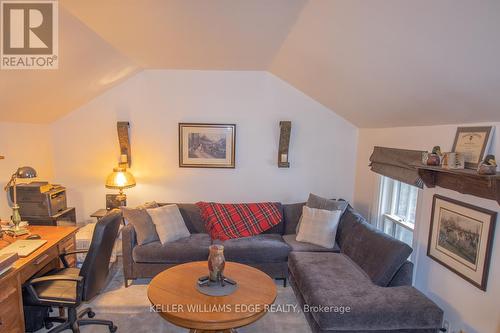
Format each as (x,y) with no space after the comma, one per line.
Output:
(169,223)
(319,226)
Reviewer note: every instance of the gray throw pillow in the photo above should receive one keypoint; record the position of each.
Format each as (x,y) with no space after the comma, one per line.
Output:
(169,223)
(144,227)
(319,226)
(318,202)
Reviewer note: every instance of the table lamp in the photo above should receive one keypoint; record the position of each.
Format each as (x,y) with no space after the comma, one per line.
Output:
(120,179)
(23,173)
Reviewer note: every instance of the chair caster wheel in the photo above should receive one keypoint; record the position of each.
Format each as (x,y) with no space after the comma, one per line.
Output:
(48,325)
(113,328)
(91,314)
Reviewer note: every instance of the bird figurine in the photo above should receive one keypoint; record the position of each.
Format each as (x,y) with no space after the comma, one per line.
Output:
(434,158)
(488,166)
(436,150)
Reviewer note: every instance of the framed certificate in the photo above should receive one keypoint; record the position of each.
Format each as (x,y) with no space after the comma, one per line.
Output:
(473,143)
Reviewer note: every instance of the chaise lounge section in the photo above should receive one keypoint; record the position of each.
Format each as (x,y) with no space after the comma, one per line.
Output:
(370,277)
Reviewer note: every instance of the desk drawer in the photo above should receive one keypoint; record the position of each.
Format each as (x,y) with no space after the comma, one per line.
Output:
(38,263)
(11,320)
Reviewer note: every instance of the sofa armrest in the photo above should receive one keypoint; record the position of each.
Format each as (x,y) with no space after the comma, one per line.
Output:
(404,276)
(129,241)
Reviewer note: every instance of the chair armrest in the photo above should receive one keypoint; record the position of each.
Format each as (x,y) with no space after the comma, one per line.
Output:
(56,278)
(29,287)
(129,241)
(63,255)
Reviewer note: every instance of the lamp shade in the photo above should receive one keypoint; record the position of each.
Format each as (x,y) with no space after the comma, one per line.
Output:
(26,172)
(120,178)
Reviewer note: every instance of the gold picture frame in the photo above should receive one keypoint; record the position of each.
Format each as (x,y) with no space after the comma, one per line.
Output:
(461,238)
(472,143)
(205,145)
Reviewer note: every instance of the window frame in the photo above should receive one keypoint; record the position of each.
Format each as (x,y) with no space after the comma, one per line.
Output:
(386,202)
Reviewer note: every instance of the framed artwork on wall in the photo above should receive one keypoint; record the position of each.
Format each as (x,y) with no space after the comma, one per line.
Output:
(207,145)
(472,143)
(461,237)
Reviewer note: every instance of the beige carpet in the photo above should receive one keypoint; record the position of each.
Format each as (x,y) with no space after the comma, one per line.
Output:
(129,309)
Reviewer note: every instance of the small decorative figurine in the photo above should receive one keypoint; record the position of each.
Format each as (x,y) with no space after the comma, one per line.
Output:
(452,160)
(434,158)
(436,150)
(425,157)
(488,166)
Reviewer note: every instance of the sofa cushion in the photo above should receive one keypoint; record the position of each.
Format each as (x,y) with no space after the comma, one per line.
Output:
(192,248)
(307,247)
(377,253)
(142,222)
(192,217)
(334,280)
(318,226)
(264,248)
(291,217)
(169,223)
(315,201)
(346,225)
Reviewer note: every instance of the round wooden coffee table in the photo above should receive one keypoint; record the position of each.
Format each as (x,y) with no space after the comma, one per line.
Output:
(173,294)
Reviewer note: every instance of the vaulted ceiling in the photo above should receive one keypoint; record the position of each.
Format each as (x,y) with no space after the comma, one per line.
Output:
(88,65)
(376,63)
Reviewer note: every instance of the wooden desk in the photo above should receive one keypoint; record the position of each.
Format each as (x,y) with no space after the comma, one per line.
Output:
(59,239)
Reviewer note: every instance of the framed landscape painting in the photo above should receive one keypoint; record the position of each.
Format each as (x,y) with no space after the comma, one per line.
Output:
(207,145)
(461,237)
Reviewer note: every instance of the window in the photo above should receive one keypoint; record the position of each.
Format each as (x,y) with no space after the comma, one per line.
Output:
(397,208)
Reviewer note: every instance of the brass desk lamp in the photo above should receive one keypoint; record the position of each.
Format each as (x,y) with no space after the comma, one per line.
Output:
(23,173)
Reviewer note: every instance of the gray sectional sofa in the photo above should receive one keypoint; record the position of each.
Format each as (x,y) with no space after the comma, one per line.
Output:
(366,271)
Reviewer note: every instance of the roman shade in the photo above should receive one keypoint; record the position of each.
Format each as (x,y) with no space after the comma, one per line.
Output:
(397,164)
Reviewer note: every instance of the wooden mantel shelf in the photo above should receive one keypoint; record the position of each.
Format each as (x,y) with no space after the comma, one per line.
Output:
(465,181)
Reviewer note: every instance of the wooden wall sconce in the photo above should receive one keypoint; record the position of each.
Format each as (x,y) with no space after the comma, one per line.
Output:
(285,129)
(124,140)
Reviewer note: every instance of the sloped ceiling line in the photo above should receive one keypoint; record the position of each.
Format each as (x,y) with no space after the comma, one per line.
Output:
(375,63)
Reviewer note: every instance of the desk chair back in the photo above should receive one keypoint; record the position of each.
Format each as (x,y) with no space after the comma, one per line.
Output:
(95,268)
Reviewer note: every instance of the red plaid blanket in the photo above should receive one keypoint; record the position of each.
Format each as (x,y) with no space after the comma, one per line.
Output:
(226,221)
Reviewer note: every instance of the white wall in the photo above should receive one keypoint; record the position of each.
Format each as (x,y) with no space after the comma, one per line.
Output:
(322,149)
(23,144)
(466,307)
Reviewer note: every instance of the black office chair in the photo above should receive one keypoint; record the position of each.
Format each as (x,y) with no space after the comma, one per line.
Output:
(69,287)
